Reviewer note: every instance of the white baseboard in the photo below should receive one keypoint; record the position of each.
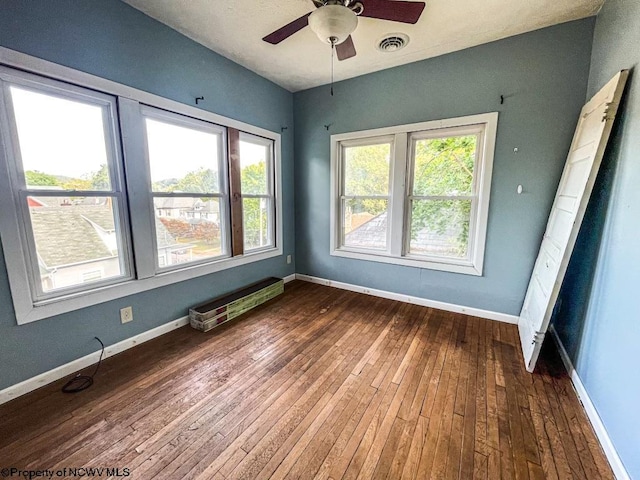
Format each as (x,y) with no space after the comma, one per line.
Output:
(449,307)
(596,422)
(62,371)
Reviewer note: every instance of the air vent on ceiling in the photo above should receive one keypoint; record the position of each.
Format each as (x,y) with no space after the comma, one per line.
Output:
(393,42)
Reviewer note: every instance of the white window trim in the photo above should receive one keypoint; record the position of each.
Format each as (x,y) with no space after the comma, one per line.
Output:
(266,142)
(400,163)
(223,196)
(55,88)
(129,99)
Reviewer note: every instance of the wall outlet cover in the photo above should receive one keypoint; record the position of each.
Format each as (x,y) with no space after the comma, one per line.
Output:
(126,314)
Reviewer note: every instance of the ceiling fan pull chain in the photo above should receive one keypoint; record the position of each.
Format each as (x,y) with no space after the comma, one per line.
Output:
(333,49)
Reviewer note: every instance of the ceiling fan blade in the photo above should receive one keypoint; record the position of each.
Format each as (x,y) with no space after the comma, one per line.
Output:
(397,11)
(288,30)
(346,49)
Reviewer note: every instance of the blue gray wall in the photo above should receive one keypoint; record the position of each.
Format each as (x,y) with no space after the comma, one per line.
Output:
(543,77)
(112,40)
(598,319)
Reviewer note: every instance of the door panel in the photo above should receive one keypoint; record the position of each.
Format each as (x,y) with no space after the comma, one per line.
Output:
(581,168)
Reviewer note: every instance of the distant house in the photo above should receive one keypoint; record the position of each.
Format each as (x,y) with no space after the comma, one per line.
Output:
(190,208)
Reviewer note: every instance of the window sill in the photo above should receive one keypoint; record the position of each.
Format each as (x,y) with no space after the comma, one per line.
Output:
(60,305)
(466,268)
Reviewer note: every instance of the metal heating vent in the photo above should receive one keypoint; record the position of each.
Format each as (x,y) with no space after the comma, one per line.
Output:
(393,42)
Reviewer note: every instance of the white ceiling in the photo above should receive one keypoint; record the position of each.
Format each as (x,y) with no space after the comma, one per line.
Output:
(234,29)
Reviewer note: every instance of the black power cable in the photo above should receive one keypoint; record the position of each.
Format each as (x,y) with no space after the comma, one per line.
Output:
(82,382)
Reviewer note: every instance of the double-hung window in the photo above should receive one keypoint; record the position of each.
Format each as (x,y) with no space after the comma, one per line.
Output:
(365,193)
(107,191)
(257,186)
(415,195)
(188,185)
(68,184)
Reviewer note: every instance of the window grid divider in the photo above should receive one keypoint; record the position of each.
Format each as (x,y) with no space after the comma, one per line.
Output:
(396,220)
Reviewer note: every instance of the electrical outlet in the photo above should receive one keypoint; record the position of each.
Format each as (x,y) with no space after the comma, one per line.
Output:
(288,259)
(126,314)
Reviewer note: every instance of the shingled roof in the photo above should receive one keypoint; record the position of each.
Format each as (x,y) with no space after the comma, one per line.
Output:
(69,234)
(373,234)
(64,235)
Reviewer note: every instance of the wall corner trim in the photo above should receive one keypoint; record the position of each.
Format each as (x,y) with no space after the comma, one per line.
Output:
(62,371)
(596,422)
(424,302)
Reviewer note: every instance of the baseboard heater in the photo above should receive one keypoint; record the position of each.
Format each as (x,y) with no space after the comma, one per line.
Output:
(215,312)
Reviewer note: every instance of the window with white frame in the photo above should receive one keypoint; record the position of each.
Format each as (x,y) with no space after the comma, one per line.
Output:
(188,183)
(414,195)
(256,180)
(108,191)
(67,184)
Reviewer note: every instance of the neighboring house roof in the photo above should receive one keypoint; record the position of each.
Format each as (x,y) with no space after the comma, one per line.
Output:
(186,204)
(65,201)
(66,235)
(174,202)
(34,202)
(373,234)
(70,234)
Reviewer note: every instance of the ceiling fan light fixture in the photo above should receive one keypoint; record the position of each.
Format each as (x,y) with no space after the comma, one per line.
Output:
(333,23)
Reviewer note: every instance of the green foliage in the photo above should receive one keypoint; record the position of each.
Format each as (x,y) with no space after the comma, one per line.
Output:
(366,173)
(77,184)
(166,185)
(254,179)
(255,218)
(35,177)
(100,179)
(254,215)
(95,181)
(203,180)
(444,167)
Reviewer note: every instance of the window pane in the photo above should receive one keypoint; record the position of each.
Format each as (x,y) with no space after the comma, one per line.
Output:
(62,141)
(182,159)
(253,165)
(77,240)
(365,223)
(255,218)
(444,166)
(440,227)
(366,170)
(187,229)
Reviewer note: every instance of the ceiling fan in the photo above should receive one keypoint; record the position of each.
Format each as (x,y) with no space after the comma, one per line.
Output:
(334,20)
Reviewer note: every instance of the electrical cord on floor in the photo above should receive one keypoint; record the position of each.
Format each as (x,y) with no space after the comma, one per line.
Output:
(82,382)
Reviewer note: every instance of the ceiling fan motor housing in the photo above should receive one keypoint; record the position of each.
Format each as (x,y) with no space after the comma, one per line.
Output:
(333,23)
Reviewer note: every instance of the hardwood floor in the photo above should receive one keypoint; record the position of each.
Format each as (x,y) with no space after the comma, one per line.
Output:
(319,383)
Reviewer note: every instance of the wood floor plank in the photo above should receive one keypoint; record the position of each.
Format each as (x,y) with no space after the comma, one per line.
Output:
(467,454)
(446,433)
(319,383)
